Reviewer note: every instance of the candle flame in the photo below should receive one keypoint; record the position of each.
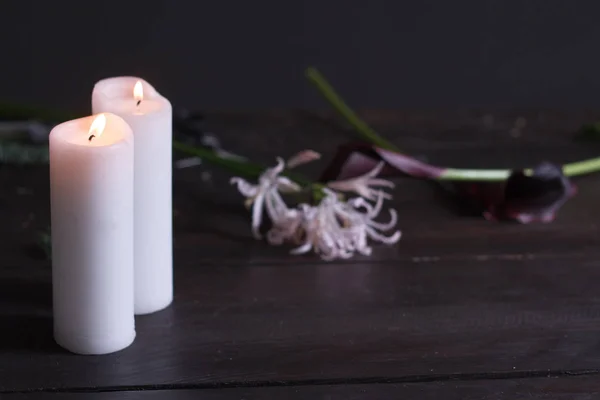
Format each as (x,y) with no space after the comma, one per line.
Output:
(97,126)
(138,91)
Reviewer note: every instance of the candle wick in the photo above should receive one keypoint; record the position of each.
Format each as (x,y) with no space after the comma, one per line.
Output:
(91,137)
(138,102)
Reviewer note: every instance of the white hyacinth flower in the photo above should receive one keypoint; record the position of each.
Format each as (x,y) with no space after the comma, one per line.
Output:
(364,185)
(265,194)
(336,229)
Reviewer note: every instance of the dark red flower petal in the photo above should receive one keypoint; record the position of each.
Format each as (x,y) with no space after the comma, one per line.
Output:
(409,165)
(358,158)
(533,198)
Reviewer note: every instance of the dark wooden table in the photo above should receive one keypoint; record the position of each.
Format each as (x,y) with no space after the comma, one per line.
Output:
(460,308)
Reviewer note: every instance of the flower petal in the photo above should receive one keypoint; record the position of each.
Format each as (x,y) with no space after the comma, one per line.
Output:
(244,187)
(257,210)
(357,158)
(373,234)
(304,248)
(286,185)
(388,225)
(409,165)
(363,184)
(533,198)
(302,157)
(381,182)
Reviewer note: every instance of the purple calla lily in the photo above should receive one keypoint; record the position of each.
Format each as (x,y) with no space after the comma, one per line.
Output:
(525,198)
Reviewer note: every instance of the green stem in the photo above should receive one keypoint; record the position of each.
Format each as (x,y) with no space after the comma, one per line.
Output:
(582,167)
(450,174)
(453,174)
(573,169)
(242,168)
(14,152)
(340,106)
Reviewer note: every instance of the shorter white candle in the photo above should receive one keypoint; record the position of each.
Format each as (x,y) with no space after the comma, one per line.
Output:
(91,195)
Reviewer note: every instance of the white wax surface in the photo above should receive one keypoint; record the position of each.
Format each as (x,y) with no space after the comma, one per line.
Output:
(91,185)
(151,122)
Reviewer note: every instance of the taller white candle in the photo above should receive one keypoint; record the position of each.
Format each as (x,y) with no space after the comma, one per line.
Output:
(150,117)
(91,201)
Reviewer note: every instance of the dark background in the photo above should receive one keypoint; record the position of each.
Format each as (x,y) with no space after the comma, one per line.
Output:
(252,54)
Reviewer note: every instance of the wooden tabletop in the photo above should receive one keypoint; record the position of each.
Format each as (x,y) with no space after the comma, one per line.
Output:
(459,308)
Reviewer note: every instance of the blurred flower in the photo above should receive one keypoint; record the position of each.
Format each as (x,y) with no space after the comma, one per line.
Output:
(532,198)
(364,185)
(266,192)
(535,196)
(335,229)
(302,157)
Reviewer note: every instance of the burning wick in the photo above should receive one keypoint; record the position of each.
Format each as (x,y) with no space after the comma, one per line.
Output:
(97,127)
(138,93)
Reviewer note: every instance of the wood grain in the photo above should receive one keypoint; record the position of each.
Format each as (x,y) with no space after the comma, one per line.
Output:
(572,388)
(457,297)
(320,322)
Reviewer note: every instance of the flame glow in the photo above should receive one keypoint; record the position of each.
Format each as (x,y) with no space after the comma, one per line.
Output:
(98,125)
(138,91)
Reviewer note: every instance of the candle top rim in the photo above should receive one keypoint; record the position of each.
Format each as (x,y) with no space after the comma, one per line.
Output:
(122,87)
(75,132)
(117,93)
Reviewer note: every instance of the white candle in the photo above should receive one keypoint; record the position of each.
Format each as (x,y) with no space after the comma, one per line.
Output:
(150,117)
(91,196)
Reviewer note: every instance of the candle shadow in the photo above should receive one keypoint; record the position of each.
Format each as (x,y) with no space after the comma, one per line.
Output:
(26,316)
(17,294)
(36,252)
(27,333)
